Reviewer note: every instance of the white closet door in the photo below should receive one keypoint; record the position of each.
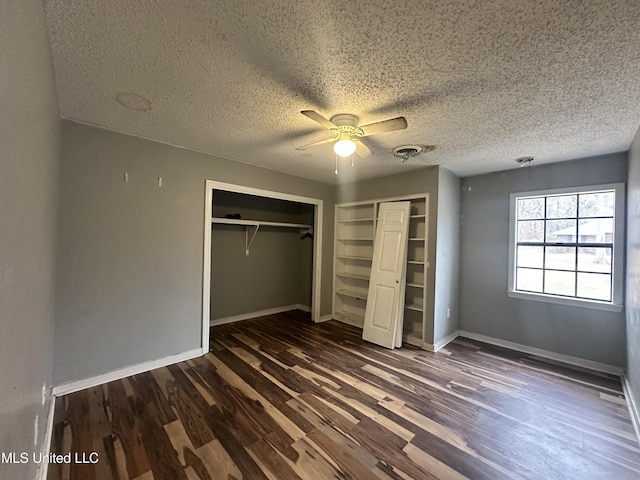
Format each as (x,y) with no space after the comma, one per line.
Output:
(384,312)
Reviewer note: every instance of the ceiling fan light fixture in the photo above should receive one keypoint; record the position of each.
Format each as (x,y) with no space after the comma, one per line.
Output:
(344,147)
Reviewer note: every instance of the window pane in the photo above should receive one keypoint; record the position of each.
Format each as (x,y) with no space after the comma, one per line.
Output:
(596,286)
(530,208)
(597,204)
(596,259)
(596,230)
(562,206)
(561,258)
(559,283)
(561,231)
(529,257)
(531,231)
(529,280)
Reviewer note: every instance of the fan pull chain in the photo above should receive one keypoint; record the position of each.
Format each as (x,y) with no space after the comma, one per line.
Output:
(353,159)
(336,172)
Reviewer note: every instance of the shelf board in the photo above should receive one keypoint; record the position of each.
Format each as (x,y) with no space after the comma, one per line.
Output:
(368,239)
(255,223)
(413,338)
(415,285)
(353,275)
(418,216)
(416,262)
(352,293)
(356,220)
(414,306)
(367,259)
(416,239)
(350,318)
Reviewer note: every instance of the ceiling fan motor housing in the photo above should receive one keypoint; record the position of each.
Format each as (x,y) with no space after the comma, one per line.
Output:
(344,120)
(346,124)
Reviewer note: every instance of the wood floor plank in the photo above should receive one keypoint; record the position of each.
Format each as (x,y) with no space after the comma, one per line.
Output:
(278,397)
(163,458)
(125,426)
(196,428)
(81,441)
(218,462)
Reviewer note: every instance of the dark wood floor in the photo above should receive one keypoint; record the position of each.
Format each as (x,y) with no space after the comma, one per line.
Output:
(281,398)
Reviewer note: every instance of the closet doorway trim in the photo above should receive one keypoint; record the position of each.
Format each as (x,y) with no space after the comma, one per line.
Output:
(210,186)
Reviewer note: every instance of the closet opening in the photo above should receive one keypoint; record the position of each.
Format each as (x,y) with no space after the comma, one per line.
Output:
(262,254)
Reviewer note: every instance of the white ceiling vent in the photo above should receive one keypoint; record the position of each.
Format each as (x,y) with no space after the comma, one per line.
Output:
(405,152)
(524,161)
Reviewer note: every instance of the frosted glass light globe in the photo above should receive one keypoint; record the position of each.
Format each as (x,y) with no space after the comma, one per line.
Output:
(344,147)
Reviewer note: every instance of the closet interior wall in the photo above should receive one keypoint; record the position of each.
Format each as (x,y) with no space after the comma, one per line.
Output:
(278,270)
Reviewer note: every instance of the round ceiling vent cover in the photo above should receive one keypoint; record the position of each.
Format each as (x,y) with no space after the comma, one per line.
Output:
(405,152)
(523,161)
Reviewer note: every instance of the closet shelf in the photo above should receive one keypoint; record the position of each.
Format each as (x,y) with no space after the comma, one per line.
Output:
(256,224)
(414,306)
(349,318)
(356,220)
(350,257)
(353,239)
(352,293)
(353,275)
(413,338)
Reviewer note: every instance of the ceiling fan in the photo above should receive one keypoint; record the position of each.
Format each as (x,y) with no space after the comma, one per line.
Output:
(347,134)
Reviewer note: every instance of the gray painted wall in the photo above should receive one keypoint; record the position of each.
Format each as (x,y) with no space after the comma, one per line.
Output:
(417,181)
(29,168)
(277,272)
(633,271)
(130,254)
(485,307)
(448,254)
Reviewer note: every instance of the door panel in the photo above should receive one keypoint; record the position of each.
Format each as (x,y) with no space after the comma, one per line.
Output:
(383,303)
(383,315)
(391,246)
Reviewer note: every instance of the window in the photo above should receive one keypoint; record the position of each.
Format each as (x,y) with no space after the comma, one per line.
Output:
(566,246)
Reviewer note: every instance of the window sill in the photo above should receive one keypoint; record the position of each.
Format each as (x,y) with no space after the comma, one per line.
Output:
(571,302)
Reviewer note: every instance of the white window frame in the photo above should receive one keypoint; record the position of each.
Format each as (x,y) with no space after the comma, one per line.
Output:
(617,267)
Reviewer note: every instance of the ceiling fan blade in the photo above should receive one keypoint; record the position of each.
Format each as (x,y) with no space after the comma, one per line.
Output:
(326,140)
(385,126)
(316,117)
(362,150)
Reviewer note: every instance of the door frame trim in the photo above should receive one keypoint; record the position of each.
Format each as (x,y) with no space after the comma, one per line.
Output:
(210,186)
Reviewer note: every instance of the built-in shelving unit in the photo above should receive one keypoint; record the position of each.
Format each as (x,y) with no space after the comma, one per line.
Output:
(354,234)
(355,225)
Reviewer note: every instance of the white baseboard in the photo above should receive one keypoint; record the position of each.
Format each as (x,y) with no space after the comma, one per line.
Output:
(577,361)
(45,448)
(633,407)
(77,385)
(325,318)
(443,342)
(260,313)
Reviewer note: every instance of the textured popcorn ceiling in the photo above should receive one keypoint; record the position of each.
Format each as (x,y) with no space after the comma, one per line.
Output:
(484,81)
